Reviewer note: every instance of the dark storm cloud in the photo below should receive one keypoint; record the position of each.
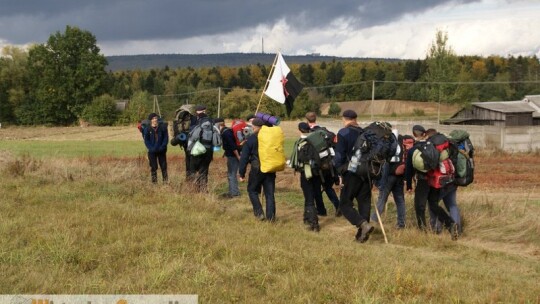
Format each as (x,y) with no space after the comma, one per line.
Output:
(116,20)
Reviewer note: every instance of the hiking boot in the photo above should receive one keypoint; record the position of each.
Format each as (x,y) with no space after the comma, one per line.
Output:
(364,231)
(454,231)
(338,212)
(315,228)
(260,217)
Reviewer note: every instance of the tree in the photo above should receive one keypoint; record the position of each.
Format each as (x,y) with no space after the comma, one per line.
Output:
(65,74)
(442,66)
(12,81)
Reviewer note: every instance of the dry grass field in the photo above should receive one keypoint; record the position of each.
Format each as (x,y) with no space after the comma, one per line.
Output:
(92,223)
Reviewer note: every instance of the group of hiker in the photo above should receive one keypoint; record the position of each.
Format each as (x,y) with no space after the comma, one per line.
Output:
(353,160)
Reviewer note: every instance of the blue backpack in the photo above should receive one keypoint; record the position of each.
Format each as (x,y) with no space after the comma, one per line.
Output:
(375,146)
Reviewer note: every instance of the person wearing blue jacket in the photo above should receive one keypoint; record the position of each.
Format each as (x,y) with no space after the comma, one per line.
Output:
(354,186)
(156,138)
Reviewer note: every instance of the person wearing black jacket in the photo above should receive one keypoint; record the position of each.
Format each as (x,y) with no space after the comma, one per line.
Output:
(422,188)
(232,153)
(200,164)
(257,179)
(354,186)
(156,138)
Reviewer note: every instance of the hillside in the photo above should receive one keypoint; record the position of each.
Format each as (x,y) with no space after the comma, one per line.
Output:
(156,61)
(390,107)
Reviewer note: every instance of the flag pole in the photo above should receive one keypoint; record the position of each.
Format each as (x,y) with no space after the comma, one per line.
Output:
(267,81)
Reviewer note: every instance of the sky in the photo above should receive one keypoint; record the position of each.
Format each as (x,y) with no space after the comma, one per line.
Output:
(364,28)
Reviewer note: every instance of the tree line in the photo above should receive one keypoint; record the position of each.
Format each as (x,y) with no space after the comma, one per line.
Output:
(65,79)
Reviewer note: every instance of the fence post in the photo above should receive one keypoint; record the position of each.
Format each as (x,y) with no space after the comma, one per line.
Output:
(372,97)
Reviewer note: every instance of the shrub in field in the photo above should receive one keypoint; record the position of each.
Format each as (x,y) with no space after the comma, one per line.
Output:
(334,109)
(101,112)
(418,112)
(19,166)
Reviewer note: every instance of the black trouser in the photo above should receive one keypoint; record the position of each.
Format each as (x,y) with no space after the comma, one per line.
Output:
(312,193)
(433,199)
(359,188)
(198,169)
(155,158)
(420,200)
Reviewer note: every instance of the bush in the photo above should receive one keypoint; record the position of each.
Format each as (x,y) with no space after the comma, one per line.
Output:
(101,112)
(334,109)
(418,112)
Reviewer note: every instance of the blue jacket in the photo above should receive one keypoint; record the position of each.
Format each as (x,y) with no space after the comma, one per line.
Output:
(156,139)
(250,154)
(346,138)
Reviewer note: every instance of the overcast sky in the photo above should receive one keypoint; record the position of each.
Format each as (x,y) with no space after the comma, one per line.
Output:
(363,28)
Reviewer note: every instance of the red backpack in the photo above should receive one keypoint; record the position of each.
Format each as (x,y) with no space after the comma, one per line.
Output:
(238,126)
(442,175)
(407,142)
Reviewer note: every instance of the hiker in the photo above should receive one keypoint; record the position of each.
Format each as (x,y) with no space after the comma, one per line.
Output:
(257,179)
(330,177)
(392,182)
(354,186)
(422,188)
(156,139)
(232,153)
(202,140)
(435,182)
(310,180)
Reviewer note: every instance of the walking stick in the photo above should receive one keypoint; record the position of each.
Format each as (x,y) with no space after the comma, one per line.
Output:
(381,224)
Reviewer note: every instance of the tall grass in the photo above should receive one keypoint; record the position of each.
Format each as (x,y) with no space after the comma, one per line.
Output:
(97,225)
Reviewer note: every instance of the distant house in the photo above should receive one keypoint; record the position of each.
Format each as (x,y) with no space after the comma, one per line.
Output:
(524,112)
(121,105)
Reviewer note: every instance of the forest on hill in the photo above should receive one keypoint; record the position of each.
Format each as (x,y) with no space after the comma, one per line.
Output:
(160,61)
(67,79)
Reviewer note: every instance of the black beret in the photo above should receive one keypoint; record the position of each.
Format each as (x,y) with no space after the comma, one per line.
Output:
(349,114)
(303,127)
(418,128)
(258,122)
(200,108)
(219,119)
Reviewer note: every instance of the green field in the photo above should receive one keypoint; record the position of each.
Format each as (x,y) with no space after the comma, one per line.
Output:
(81,217)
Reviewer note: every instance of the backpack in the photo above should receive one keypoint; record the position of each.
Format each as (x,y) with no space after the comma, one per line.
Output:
(442,175)
(182,125)
(315,151)
(238,126)
(271,155)
(406,143)
(429,153)
(375,146)
(142,126)
(462,155)
(206,133)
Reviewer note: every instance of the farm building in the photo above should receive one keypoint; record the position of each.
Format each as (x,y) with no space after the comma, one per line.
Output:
(524,112)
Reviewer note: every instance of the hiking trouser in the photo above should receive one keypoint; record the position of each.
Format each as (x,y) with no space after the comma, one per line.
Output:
(420,200)
(266,182)
(359,188)
(394,185)
(232,175)
(433,201)
(328,187)
(311,189)
(448,194)
(199,167)
(155,159)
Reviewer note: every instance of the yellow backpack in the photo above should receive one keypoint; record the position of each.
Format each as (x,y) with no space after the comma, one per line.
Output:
(271,154)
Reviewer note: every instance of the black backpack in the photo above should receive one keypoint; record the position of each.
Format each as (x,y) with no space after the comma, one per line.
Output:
(375,146)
